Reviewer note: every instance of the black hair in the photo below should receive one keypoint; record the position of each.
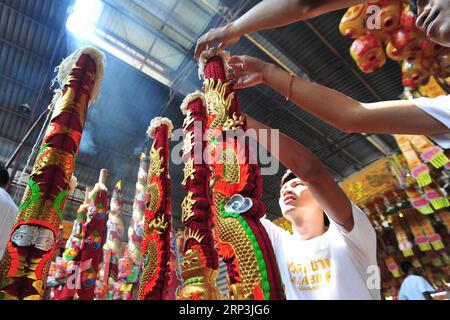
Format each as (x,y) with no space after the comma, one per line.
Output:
(289,175)
(413,6)
(4,177)
(406,266)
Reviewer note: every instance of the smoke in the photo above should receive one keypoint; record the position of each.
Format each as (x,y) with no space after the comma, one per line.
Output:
(87,144)
(139,149)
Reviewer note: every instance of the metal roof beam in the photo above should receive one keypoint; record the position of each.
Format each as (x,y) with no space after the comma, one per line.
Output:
(52,30)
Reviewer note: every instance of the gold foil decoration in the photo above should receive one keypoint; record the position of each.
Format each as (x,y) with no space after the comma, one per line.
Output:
(234,122)
(188,143)
(153,191)
(190,234)
(188,120)
(189,171)
(159,224)
(186,207)
(156,162)
(199,282)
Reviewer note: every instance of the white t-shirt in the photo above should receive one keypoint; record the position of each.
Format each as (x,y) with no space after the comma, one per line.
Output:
(8,213)
(413,287)
(438,108)
(334,266)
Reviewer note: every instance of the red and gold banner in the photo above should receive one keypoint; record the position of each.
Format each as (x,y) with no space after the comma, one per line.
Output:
(158,218)
(25,265)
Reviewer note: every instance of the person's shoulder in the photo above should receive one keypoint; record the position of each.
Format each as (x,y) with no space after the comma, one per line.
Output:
(269,225)
(6,199)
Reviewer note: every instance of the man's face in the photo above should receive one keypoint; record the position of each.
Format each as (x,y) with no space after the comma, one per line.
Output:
(295,195)
(433,18)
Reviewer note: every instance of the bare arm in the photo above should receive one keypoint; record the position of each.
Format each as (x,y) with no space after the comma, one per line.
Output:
(270,14)
(345,113)
(308,167)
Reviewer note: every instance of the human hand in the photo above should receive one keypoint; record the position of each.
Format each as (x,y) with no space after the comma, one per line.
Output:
(247,71)
(223,37)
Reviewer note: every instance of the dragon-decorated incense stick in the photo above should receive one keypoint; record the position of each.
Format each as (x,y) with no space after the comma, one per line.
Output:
(158,217)
(25,265)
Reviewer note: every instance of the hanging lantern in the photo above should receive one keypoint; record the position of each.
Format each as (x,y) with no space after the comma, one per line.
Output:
(368,53)
(389,14)
(353,22)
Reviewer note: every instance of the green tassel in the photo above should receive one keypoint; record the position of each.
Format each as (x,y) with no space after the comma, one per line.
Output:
(424,179)
(424,247)
(425,209)
(396,273)
(438,245)
(440,203)
(437,262)
(446,258)
(407,253)
(439,160)
(416,263)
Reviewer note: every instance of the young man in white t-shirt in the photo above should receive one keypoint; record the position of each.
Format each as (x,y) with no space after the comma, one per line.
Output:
(338,263)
